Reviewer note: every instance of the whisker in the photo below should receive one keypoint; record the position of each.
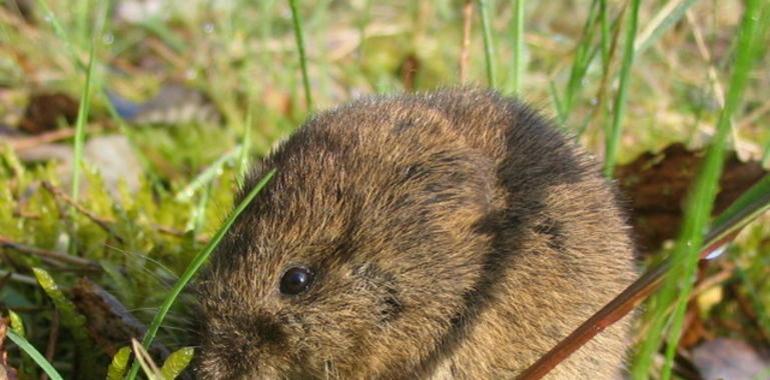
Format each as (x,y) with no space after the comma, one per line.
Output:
(160,265)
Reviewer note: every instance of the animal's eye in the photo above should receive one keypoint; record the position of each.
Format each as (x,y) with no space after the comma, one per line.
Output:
(296,280)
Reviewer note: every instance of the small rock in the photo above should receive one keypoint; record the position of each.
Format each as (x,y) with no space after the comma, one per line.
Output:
(725,358)
(135,11)
(111,155)
(173,104)
(115,159)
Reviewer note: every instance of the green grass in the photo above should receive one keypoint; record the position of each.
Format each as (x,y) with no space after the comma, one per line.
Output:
(517,63)
(613,133)
(35,354)
(698,210)
(752,204)
(243,160)
(489,44)
(299,36)
(50,17)
(662,22)
(80,125)
(584,55)
(619,91)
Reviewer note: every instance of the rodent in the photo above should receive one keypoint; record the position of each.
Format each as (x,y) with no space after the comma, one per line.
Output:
(447,235)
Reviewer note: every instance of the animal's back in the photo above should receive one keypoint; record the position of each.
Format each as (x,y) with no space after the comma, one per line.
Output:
(559,249)
(563,253)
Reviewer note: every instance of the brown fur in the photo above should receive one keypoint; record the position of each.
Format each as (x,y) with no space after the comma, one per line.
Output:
(454,234)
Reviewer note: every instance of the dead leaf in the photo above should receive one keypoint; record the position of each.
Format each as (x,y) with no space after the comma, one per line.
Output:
(656,184)
(44,111)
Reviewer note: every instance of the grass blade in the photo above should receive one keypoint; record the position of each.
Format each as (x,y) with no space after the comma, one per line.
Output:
(489,48)
(156,27)
(557,102)
(81,25)
(60,32)
(85,103)
(28,366)
(604,23)
(697,210)
(517,69)
(466,42)
(701,203)
(663,21)
(580,63)
(194,266)
(208,174)
(243,159)
(30,350)
(299,36)
(748,207)
(80,124)
(613,135)
(198,216)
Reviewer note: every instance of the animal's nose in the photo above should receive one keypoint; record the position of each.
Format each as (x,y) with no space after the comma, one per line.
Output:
(263,328)
(237,343)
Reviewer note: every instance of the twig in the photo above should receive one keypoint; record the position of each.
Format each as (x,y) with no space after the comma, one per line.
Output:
(19,144)
(177,233)
(103,223)
(464,51)
(717,279)
(4,280)
(19,278)
(106,223)
(25,214)
(62,257)
(53,337)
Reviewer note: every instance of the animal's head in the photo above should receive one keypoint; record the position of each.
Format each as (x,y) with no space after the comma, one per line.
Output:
(357,257)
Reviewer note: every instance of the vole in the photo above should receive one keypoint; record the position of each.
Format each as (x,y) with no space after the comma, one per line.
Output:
(447,235)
